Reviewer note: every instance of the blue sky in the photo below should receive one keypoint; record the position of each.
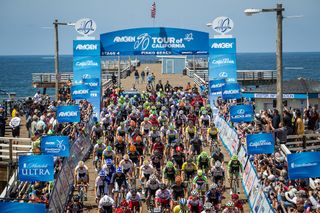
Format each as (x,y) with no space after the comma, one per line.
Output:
(24,23)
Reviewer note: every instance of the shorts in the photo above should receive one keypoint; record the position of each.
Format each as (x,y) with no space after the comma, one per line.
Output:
(203,165)
(135,204)
(146,176)
(163,202)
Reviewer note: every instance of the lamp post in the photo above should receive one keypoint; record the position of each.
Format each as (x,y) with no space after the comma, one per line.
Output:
(279,9)
(56,54)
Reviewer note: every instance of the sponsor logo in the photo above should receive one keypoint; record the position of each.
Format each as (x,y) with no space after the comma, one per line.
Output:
(87,47)
(188,37)
(219,85)
(222,24)
(260,143)
(295,165)
(81,92)
(222,45)
(85,76)
(240,111)
(124,39)
(86,63)
(85,26)
(68,114)
(223,61)
(93,84)
(231,92)
(143,41)
(223,75)
(35,169)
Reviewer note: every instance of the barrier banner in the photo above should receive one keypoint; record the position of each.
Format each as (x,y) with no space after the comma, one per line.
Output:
(222,59)
(55,145)
(261,143)
(67,114)
(231,91)
(154,41)
(80,92)
(241,113)
(14,207)
(303,165)
(36,168)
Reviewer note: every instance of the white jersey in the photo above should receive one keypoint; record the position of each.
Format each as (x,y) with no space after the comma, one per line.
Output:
(105,201)
(135,198)
(99,183)
(81,171)
(163,194)
(126,165)
(153,186)
(148,170)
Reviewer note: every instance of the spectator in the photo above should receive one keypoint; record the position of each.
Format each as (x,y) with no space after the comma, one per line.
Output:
(188,87)
(136,77)
(275,119)
(15,125)
(287,122)
(159,86)
(33,125)
(149,79)
(2,121)
(114,79)
(143,75)
(313,118)
(299,126)
(167,87)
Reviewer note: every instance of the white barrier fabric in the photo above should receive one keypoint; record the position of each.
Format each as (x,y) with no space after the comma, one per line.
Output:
(258,201)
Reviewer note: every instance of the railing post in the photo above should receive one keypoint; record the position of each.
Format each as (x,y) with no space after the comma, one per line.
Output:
(10,151)
(304,142)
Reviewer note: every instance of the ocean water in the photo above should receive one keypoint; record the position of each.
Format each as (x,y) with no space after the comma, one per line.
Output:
(16,71)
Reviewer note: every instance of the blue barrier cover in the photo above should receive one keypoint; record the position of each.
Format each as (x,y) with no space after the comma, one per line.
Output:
(68,114)
(79,92)
(303,165)
(262,143)
(36,168)
(241,113)
(14,207)
(55,145)
(231,91)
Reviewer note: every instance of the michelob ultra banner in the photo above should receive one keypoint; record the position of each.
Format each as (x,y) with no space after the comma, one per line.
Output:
(222,59)
(14,207)
(231,91)
(55,145)
(241,113)
(80,92)
(303,165)
(36,168)
(262,143)
(67,114)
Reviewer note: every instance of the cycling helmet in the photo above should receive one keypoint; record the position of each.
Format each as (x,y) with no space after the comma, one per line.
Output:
(146,162)
(183,202)
(207,205)
(234,157)
(199,173)
(204,112)
(81,164)
(132,148)
(119,170)
(162,186)
(194,193)
(171,127)
(178,149)
(181,112)
(126,157)
(133,191)
(119,139)
(178,179)
(109,148)
(234,196)
(99,141)
(213,186)
(138,139)
(102,173)
(229,204)
(217,164)
(204,154)
(109,162)
(169,164)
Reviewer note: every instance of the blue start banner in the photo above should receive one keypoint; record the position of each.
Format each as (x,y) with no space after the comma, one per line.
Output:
(36,168)
(222,59)
(55,145)
(262,143)
(303,165)
(14,207)
(231,91)
(86,48)
(68,114)
(154,41)
(80,92)
(241,113)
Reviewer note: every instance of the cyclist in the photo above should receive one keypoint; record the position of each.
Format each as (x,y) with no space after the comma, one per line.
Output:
(189,169)
(234,167)
(194,202)
(200,182)
(101,185)
(121,131)
(213,196)
(108,153)
(195,145)
(138,143)
(133,154)
(207,208)
(217,173)
(178,157)
(152,185)
(126,164)
(145,126)
(75,205)
(190,131)
(179,189)
(162,119)
(180,119)
(172,135)
(203,161)
(230,208)
(163,196)
(97,153)
(212,133)
(118,180)
(124,208)
(145,171)
(81,175)
(169,172)
(96,132)
(105,204)
(134,200)
(237,202)
(182,207)
(120,147)
(204,122)
(109,169)
(153,135)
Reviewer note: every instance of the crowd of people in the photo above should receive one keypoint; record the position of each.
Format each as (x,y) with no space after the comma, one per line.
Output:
(162,149)
(272,169)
